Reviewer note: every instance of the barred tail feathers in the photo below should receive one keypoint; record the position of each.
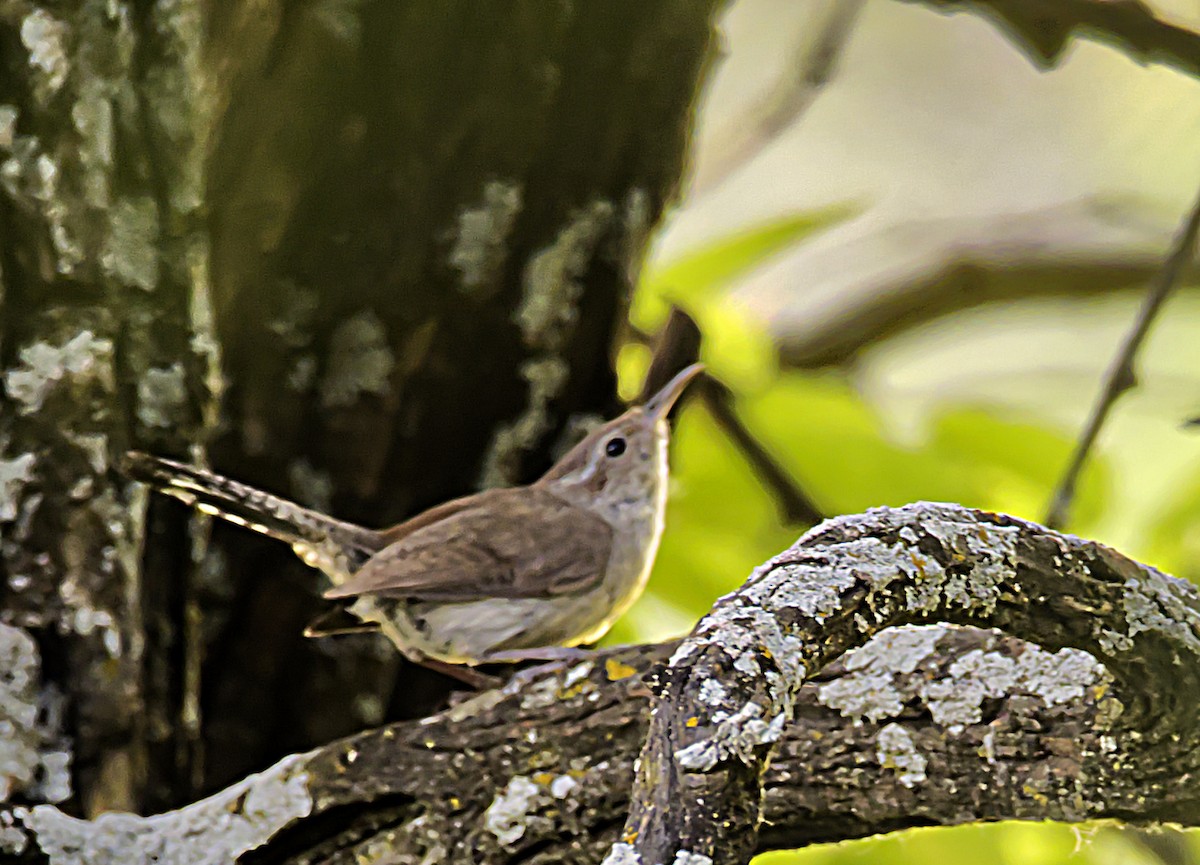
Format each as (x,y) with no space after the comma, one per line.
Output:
(318,539)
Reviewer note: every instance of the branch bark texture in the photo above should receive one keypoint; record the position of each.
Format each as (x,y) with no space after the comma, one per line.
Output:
(922,725)
(731,688)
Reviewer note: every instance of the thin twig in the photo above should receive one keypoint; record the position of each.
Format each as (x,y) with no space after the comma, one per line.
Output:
(1044,29)
(677,346)
(1121,376)
(796,506)
(808,69)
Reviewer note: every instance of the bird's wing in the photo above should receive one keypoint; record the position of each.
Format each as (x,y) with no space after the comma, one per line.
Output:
(510,543)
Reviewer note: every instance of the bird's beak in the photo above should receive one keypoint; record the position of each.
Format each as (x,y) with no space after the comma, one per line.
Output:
(660,404)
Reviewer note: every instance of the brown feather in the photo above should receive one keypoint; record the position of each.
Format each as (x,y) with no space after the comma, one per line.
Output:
(523,542)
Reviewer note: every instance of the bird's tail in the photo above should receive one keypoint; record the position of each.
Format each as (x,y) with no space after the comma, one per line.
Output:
(333,546)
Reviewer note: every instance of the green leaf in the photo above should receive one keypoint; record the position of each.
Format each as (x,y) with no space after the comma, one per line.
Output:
(736,347)
(697,276)
(1009,843)
(840,451)
(1174,541)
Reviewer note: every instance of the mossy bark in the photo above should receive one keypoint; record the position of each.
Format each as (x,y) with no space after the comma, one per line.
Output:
(366,255)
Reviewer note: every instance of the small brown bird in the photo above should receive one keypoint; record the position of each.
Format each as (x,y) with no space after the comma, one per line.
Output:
(501,575)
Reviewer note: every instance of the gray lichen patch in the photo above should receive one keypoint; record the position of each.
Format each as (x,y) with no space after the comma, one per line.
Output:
(737,735)
(878,681)
(92,115)
(896,750)
(162,396)
(45,38)
(214,830)
(899,650)
(546,316)
(8,126)
(14,475)
(32,177)
(360,361)
(872,686)
(712,692)
(21,666)
(44,365)
(552,689)
(508,816)
(480,242)
(551,286)
(82,615)
(867,694)
(687,857)
(791,586)
(546,376)
(622,854)
(130,252)
(13,839)
(34,760)
(1164,605)
(1058,677)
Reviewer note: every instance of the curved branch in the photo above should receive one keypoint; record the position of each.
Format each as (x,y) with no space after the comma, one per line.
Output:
(1043,29)
(923,726)
(733,684)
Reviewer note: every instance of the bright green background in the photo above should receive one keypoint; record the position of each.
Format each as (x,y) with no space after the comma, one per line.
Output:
(848,457)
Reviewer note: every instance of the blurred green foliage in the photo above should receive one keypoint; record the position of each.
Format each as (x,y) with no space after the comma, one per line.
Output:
(722,522)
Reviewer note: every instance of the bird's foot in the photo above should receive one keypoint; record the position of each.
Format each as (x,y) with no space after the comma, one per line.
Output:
(541,653)
(467,675)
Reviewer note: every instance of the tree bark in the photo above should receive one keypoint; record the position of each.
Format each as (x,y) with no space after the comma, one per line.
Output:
(931,725)
(263,232)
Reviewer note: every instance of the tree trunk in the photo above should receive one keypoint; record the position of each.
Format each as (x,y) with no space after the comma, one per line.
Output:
(368,256)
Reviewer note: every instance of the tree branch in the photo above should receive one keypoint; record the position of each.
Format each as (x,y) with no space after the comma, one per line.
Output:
(924,725)
(809,67)
(1043,29)
(1093,247)
(1121,376)
(733,684)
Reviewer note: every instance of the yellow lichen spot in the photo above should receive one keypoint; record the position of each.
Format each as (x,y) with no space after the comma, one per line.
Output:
(575,690)
(1036,795)
(692,722)
(817,735)
(455,802)
(630,836)
(543,778)
(616,671)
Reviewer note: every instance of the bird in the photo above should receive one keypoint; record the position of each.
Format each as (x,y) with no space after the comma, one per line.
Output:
(503,575)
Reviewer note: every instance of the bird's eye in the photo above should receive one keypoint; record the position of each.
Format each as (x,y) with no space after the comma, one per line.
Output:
(615,447)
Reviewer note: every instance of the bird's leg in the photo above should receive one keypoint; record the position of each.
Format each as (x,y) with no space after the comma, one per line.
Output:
(467,675)
(555,659)
(541,653)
